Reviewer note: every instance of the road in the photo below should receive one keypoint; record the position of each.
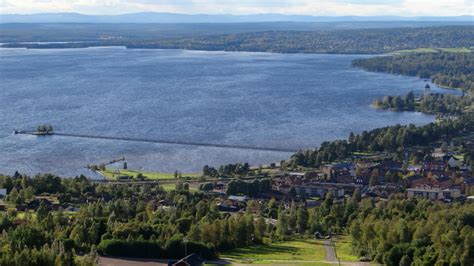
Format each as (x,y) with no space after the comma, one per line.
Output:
(330,252)
(108,261)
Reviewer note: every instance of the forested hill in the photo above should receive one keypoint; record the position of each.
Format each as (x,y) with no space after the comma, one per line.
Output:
(455,70)
(368,41)
(335,41)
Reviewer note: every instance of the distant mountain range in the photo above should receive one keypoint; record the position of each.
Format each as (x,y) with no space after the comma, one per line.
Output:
(154,17)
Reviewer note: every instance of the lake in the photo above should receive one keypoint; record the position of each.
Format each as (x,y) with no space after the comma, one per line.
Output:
(272,100)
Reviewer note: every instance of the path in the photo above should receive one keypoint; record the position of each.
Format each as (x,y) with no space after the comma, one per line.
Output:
(109,261)
(162,141)
(330,251)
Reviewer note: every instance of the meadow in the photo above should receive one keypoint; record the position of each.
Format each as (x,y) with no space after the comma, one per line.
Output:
(299,252)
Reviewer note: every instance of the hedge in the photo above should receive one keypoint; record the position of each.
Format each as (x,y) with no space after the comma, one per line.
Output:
(174,249)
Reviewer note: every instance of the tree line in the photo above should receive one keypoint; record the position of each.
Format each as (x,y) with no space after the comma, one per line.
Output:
(453,70)
(432,103)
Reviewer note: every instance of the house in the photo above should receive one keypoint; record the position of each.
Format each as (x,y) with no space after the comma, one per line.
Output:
(312,203)
(362,180)
(320,190)
(72,209)
(438,153)
(337,169)
(415,180)
(165,202)
(220,185)
(442,181)
(437,166)
(223,207)
(238,198)
(282,187)
(465,168)
(468,183)
(452,161)
(414,168)
(434,193)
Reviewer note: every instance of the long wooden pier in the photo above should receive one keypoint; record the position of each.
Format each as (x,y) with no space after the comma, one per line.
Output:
(160,141)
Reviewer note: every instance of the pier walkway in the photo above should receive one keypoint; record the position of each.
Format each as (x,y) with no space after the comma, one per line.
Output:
(161,141)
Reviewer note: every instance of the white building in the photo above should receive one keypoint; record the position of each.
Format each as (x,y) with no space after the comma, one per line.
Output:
(433,193)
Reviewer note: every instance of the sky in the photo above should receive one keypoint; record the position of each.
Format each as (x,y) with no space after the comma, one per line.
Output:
(239,7)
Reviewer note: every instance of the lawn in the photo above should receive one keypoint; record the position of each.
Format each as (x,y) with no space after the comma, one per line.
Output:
(344,250)
(52,199)
(362,153)
(109,174)
(169,187)
(435,50)
(456,50)
(22,215)
(418,50)
(279,253)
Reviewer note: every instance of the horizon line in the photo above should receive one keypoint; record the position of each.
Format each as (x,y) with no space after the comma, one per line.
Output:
(230,14)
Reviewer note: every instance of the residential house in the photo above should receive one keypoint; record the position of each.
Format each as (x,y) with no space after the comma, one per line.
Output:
(434,166)
(415,180)
(452,161)
(339,169)
(414,168)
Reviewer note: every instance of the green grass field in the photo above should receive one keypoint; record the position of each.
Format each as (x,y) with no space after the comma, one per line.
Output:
(344,250)
(169,187)
(109,174)
(300,252)
(418,50)
(435,50)
(456,50)
(362,153)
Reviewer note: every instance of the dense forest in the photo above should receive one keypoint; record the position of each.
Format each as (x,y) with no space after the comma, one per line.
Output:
(414,232)
(274,39)
(454,70)
(369,41)
(70,32)
(392,139)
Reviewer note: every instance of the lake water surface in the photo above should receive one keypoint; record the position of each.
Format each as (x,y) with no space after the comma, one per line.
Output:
(271,100)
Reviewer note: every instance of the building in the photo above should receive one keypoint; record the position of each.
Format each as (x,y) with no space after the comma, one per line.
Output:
(339,169)
(319,191)
(452,161)
(434,193)
(434,166)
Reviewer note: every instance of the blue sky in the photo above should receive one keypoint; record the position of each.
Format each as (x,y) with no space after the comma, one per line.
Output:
(303,7)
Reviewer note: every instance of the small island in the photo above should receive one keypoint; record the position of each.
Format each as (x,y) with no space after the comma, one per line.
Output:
(44,130)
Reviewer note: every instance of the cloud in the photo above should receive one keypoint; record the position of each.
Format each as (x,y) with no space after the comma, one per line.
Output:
(306,7)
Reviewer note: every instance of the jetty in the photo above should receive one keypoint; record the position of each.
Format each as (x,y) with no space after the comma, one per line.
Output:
(157,141)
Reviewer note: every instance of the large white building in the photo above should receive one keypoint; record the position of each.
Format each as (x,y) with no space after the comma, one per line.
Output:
(433,193)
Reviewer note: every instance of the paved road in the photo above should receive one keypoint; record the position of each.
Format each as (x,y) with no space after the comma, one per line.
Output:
(330,252)
(107,261)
